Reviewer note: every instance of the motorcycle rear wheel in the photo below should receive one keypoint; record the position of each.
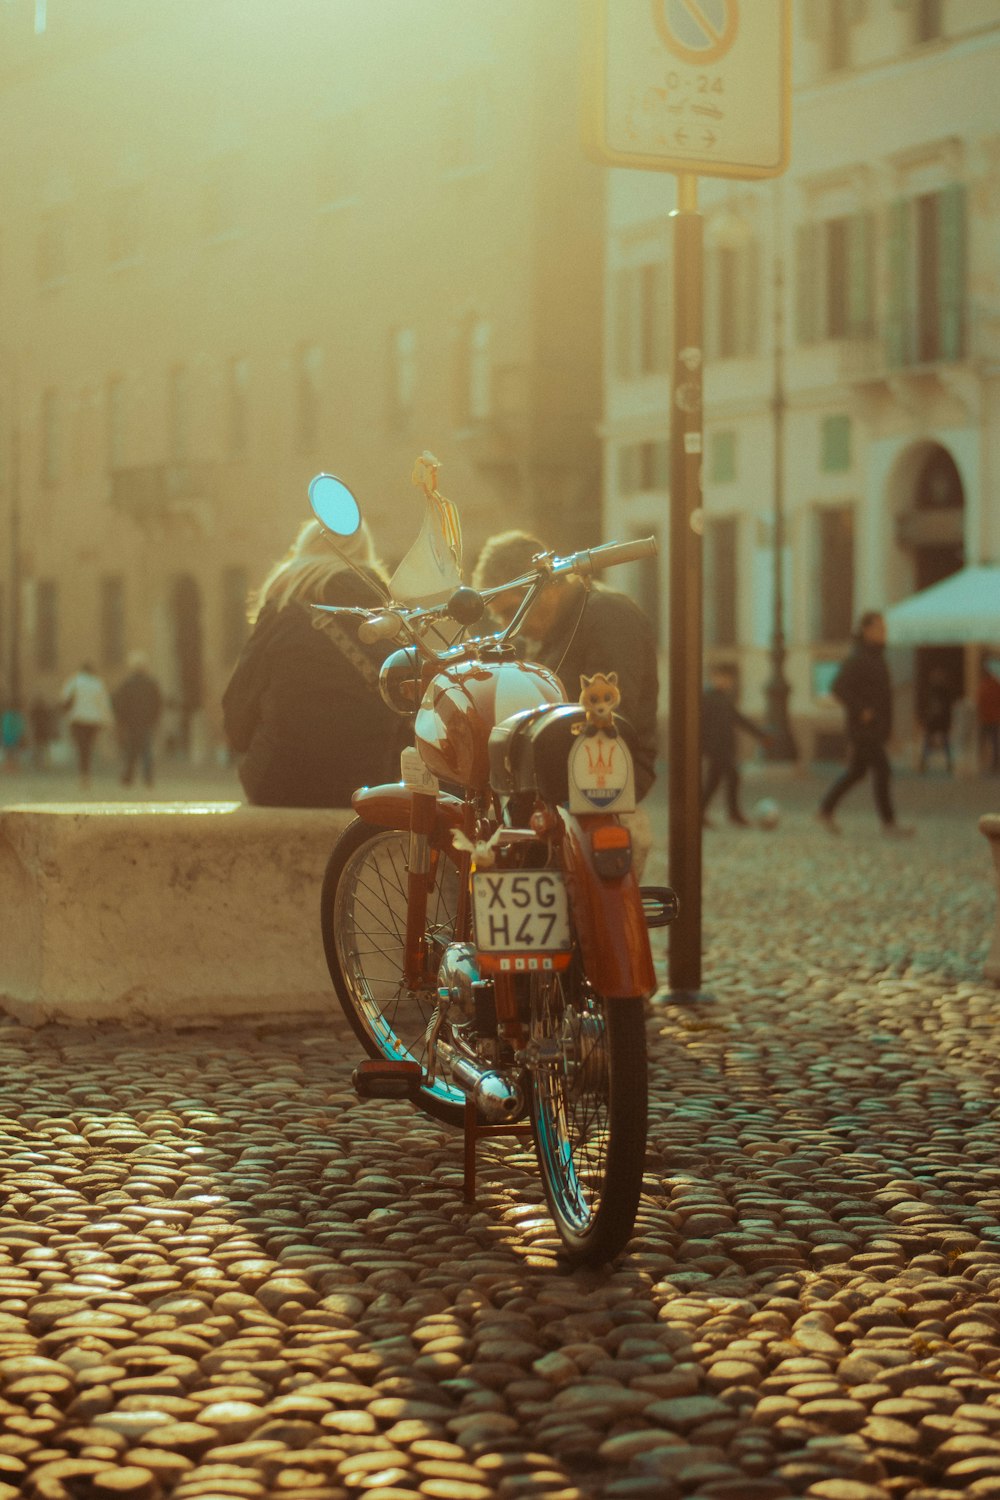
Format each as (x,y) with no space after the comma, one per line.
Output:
(363,921)
(589,1113)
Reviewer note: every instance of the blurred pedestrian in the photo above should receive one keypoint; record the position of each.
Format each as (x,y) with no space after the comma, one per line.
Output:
(934,714)
(720,721)
(988,715)
(303,706)
(137,703)
(86,703)
(863,687)
(576,630)
(44,729)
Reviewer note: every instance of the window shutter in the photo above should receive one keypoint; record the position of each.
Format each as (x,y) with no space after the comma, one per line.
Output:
(713,342)
(807,288)
(951,261)
(661,350)
(860,265)
(750,298)
(899,326)
(625,300)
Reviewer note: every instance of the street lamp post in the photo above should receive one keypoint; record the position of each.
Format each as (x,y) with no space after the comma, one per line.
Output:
(780,745)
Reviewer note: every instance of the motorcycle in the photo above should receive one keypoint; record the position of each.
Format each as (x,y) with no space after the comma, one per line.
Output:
(482,922)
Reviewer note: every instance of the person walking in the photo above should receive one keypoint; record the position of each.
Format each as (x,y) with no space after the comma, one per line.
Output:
(720,720)
(863,687)
(302,707)
(137,702)
(934,717)
(578,630)
(87,705)
(988,716)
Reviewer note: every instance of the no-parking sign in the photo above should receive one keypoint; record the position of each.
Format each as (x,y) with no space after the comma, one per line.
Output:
(691,86)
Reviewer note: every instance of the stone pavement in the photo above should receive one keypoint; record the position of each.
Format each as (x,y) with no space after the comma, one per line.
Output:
(221,1276)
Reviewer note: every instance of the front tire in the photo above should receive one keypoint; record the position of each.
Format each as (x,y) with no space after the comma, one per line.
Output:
(363,921)
(588,1097)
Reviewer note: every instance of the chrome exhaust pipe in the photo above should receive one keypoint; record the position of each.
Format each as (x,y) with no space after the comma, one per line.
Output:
(493,1094)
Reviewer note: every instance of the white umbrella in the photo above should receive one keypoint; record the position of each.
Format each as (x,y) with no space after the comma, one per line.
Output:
(961,610)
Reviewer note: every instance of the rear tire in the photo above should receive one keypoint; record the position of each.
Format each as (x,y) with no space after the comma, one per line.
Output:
(363,921)
(588,1113)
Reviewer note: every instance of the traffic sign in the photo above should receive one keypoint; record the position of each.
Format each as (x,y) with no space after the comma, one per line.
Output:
(690,86)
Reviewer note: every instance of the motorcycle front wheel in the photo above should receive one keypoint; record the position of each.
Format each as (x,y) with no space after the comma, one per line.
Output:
(363,921)
(588,1095)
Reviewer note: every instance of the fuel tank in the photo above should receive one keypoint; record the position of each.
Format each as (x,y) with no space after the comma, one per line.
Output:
(461,705)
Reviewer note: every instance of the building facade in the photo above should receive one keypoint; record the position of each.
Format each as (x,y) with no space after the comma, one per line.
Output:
(244,242)
(864,287)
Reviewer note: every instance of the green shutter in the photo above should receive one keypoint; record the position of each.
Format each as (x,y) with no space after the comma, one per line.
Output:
(722,456)
(661,350)
(625,300)
(951,262)
(808,302)
(749,306)
(899,324)
(860,262)
(710,331)
(835,454)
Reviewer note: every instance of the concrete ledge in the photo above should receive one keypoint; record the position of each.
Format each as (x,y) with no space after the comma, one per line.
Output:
(172,912)
(989,827)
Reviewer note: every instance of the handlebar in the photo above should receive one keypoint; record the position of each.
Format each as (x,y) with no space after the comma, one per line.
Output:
(609,555)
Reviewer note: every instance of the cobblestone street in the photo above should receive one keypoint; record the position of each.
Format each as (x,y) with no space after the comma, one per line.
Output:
(221,1275)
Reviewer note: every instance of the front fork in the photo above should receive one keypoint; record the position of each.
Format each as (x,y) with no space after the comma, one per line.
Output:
(422,862)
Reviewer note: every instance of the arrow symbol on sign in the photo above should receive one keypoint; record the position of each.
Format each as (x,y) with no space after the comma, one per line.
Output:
(708,139)
(681,136)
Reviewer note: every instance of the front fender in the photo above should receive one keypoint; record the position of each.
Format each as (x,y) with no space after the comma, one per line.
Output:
(607,914)
(390,806)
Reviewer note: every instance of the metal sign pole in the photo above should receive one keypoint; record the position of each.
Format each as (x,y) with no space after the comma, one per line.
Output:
(684,747)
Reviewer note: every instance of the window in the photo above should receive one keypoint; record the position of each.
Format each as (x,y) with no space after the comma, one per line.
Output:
(125,216)
(237,414)
(46,625)
(835,445)
(475,372)
(178,415)
(835,276)
(643,466)
(836,35)
(112,622)
(642,320)
(114,398)
(235,592)
(721,581)
(926,20)
(50,438)
(834,594)
(402,375)
(308,377)
(722,456)
(926,316)
(732,300)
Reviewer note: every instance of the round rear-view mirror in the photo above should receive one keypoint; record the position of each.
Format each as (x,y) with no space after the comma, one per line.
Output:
(333,505)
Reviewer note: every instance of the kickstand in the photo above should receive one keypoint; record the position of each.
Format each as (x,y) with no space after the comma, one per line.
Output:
(473,1132)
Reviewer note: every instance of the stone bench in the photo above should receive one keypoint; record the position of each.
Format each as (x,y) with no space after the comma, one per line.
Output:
(167,912)
(989,826)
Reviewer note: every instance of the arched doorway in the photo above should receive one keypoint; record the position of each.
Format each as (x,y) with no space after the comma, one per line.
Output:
(930,528)
(187,654)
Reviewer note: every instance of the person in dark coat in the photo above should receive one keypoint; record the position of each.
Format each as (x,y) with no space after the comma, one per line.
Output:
(863,687)
(137,703)
(720,720)
(578,629)
(302,706)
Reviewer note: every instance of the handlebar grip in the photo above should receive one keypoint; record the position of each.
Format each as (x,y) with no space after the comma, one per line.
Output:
(610,555)
(381,627)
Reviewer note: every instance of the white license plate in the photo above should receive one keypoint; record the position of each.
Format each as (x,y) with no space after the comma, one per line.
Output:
(521,912)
